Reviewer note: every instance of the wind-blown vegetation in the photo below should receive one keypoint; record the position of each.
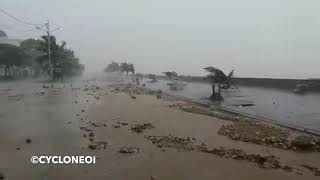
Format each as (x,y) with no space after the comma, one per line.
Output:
(175,81)
(11,56)
(61,57)
(33,55)
(218,78)
(171,75)
(120,68)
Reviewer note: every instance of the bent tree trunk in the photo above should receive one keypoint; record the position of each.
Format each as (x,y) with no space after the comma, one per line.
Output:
(216,96)
(213,96)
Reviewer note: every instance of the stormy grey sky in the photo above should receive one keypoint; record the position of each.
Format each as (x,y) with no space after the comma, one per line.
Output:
(257,38)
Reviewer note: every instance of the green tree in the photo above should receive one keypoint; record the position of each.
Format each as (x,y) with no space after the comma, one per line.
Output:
(44,49)
(61,57)
(11,55)
(30,48)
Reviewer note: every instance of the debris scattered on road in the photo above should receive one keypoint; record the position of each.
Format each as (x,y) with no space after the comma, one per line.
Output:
(314,170)
(267,162)
(116,126)
(91,134)
(139,128)
(178,143)
(28,140)
(92,146)
(305,143)
(98,145)
(256,133)
(262,134)
(124,124)
(94,124)
(85,129)
(129,150)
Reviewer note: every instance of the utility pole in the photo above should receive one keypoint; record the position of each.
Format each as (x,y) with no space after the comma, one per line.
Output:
(48,31)
(49,49)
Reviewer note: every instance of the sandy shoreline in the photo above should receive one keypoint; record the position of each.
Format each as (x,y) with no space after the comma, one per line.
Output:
(136,133)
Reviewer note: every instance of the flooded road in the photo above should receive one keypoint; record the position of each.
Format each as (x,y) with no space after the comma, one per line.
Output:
(70,119)
(41,114)
(282,106)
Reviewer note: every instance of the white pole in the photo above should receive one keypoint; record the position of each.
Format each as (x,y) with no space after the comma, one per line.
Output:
(49,48)
(48,31)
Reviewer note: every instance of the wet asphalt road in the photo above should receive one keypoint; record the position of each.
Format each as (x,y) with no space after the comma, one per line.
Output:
(46,116)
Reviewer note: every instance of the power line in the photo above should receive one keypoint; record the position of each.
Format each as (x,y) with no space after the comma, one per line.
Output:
(9,28)
(38,27)
(17,19)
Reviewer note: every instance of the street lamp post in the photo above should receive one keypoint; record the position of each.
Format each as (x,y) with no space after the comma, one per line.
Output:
(48,31)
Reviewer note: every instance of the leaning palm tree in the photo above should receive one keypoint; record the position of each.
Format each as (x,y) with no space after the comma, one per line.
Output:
(218,78)
(229,81)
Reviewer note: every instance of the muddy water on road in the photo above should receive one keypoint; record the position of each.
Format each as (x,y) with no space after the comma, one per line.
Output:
(171,164)
(50,120)
(46,116)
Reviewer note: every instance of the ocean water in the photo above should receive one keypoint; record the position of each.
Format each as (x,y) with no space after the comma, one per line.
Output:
(282,106)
